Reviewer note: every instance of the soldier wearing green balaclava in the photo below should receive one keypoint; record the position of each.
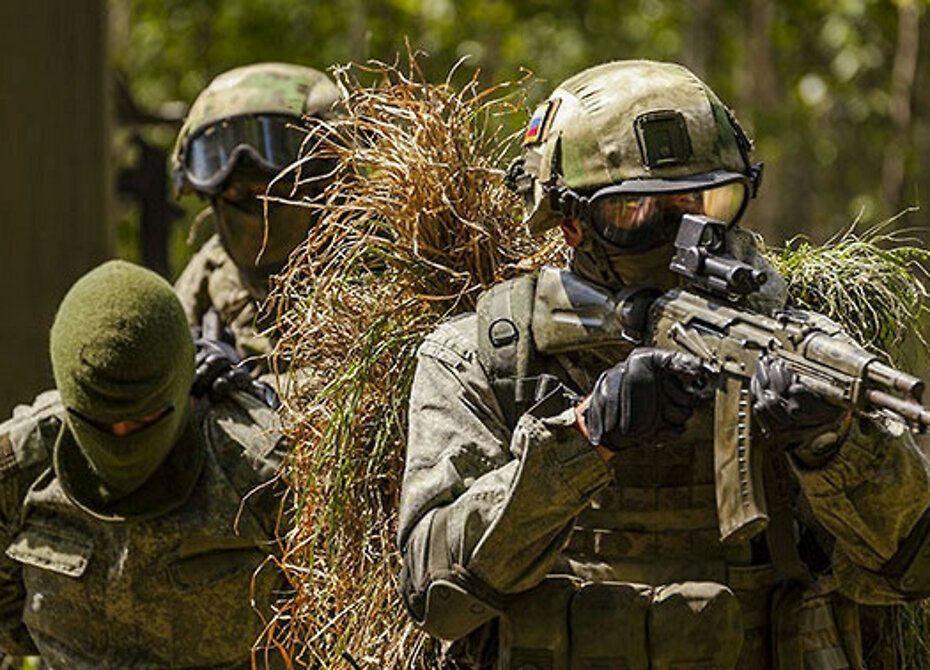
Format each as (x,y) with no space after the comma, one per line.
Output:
(123,361)
(558,503)
(135,516)
(241,131)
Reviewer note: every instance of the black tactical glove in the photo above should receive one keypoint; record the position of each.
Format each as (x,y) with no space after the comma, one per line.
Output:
(218,371)
(653,392)
(792,415)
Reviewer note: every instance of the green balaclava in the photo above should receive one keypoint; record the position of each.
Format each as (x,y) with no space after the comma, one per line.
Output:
(121,351)
(593,261)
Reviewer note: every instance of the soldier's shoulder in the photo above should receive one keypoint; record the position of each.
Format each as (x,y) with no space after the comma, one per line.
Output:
(193,284)
(464,336)
(453,340)
(211,255)
(247,438)
(206,261)
(28,436)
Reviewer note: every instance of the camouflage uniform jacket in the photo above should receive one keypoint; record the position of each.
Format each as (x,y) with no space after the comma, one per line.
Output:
(495,503)
(211,279)
(170,591)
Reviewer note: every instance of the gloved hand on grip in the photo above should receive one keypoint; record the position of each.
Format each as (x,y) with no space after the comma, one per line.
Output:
(650,394)
(218,371)
(792,415)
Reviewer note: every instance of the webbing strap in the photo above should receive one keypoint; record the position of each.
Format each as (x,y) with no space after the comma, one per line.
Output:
(505,343)
(780,535)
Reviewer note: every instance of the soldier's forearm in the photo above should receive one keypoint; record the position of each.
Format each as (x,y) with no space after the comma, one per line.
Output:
(502,535)
(505,528)
(870,495)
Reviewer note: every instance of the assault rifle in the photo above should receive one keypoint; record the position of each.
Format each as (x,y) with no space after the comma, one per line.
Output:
(704,319)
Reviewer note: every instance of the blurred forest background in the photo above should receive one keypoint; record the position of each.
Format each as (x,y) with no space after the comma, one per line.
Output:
(92,93)
(835,93)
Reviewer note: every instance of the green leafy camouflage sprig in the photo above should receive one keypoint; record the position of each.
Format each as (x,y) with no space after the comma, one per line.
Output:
(871,283)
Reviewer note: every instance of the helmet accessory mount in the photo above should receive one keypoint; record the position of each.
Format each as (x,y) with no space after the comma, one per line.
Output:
(663,138)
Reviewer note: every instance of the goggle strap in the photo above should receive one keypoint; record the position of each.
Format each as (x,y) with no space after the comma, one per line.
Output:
(565,201)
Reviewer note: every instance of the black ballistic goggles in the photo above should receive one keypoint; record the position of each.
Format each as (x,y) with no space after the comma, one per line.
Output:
(270,141)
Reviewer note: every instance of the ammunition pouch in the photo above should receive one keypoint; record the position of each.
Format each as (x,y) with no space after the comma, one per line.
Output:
(815,631)
(567,624)
(695,625)
(534,631)
(609,623)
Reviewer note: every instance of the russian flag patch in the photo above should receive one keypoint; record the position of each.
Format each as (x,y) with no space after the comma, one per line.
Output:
(535,132)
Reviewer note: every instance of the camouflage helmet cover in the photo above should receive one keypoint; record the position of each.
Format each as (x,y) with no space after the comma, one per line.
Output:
(589,135)
(261,88)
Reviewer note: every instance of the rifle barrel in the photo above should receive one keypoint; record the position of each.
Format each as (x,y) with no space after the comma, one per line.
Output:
(910,410)
(887,376)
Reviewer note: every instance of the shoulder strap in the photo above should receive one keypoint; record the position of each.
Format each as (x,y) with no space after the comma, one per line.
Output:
(505,343)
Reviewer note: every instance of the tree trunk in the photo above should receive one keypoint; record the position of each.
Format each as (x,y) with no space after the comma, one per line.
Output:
(757,85)
(903,74)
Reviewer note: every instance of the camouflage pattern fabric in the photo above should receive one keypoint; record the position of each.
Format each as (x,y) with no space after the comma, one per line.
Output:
(589,137)
(171,591)
(605,149)
(492,510)
(211,279)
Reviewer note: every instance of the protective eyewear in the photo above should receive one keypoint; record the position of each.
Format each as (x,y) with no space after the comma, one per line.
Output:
(270,141)
(636,222)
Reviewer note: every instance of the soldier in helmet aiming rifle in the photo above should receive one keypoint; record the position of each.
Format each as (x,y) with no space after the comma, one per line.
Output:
(598,481)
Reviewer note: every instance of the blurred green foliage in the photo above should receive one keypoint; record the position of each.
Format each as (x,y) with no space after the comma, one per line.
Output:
(836,93)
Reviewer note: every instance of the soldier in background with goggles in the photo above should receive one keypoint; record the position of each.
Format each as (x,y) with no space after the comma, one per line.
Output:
(558,503)
(241,131)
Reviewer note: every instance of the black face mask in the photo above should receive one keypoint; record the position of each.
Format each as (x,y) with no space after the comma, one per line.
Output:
(595,262)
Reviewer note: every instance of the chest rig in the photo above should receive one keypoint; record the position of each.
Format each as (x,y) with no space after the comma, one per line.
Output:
(655,524)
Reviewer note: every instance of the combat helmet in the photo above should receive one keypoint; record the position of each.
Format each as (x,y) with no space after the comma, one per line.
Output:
(245,114)
(620,131)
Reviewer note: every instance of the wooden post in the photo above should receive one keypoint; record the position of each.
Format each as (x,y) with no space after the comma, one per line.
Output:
(55,186)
